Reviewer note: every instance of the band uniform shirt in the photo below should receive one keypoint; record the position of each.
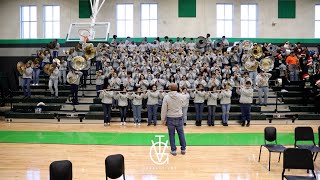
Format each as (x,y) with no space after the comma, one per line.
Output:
(72,74)
(263,80)
(27,73)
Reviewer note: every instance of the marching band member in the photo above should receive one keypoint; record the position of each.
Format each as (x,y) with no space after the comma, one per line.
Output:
(245,78)
(293,66)
(263,84)
(122,98)
(177,45)
(143,46)
(306,88)
(201,81)
(184,83)
(191,44)
(132,47)
(115,81)
(36,72)
(152,104)
(85,72)
(143,83)
(166,45)
(253,73)
(185,104)
(53,80)
(225,101)
(46,59)
(213,82)
(74,85)
(211,98)
(63,71)
(198,100)
(246,97)
(128,83)
(106,100)
(99,81)
(26,78)
(137,98)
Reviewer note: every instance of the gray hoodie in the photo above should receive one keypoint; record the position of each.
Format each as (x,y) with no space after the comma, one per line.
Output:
(172,105)
(246,95)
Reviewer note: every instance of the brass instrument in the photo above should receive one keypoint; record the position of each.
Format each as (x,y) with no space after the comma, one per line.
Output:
(89,52)
(73,79)
(137,53)
(246,45)
(49,68)
(154,52)
(248,65)
(266,64)
(21,67)
(292,46)
(57,61)
(78,63)
(256,52)
(218,44)
(220,54)
(201,42)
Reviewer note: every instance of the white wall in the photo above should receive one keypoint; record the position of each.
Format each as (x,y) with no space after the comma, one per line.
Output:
(168,22)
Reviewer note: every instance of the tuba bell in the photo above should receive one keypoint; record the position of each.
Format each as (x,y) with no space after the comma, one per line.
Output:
(89,52)
(201,42)
(218,44)
(73,79)
(266,64)
(256,52)
(49,68)
(21,67)
(78,63)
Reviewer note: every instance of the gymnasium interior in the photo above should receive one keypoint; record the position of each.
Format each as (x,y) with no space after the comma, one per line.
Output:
(59,128)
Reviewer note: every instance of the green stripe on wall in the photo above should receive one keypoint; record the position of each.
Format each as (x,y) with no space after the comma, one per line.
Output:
(84,9)
(258,40)
(187,8)
(286,8)
(138,139)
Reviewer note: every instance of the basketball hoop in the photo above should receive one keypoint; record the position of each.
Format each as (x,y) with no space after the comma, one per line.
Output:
(84,35)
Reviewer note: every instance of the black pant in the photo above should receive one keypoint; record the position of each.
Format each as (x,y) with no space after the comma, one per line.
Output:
(83,78)
(106,113)
(306,96)
(74,93)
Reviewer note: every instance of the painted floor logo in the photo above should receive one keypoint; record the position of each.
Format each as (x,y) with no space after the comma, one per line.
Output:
(158,153)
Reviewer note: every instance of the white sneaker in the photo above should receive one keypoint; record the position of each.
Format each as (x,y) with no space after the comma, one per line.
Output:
(108,124)
(33,84)
(124,123)
(121,123)
(105,124)
(284,91)
(37,84)
(135,124)
(139,124)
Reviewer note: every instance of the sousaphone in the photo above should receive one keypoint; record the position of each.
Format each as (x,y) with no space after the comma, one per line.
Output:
(78,63)
(49,68)
(201,42)
(246,45)
(21,67)
(266,64)
(89,51)
(218,44)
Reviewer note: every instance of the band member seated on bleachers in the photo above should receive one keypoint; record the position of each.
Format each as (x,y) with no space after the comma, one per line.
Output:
(246,98)
(26,78)
(74,80)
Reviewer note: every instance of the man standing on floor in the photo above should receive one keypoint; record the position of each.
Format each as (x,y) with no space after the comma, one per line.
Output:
(171,112)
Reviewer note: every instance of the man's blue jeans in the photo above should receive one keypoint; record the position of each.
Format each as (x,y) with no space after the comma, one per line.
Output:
(174,124)
(152,113)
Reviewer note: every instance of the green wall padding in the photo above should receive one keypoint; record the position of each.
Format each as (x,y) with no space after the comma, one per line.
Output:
(187,8)
(286,8)
(84,9)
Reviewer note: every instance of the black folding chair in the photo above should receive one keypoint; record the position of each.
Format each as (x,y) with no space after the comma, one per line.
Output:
(306,134)
(295,158)
(270,135)
(61,170)
(115,166)
(315,157)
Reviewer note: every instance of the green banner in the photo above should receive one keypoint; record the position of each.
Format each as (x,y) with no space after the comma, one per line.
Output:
(187,8)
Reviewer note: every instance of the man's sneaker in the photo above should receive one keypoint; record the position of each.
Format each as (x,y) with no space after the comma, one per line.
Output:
(174,153)
(121,123)
(183,152)
(284,91)
(105,124)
